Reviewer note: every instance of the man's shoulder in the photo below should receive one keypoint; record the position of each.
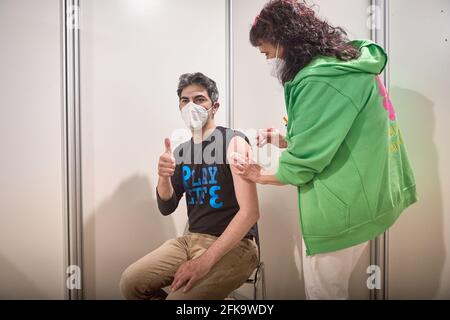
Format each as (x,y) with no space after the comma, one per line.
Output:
(231,133)
(182,146)
(179,151)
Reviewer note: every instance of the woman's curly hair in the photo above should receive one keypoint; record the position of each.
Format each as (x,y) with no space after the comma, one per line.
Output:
(303,36)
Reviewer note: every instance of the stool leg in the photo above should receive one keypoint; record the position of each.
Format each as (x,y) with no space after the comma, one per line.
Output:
(263,281)
(255,284)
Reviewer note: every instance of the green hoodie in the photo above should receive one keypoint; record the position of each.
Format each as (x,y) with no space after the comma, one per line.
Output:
(345,152)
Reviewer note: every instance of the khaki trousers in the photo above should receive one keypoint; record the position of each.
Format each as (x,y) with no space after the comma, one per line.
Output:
(145,278)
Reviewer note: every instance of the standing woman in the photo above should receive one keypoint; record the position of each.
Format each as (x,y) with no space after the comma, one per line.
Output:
(344,150)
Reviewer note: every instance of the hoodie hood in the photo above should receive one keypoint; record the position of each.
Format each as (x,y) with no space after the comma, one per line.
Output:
(372,60)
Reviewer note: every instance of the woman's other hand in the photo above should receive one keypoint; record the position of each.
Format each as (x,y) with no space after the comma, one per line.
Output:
(246,168)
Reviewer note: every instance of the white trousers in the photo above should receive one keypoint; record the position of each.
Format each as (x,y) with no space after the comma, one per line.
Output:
(327,275)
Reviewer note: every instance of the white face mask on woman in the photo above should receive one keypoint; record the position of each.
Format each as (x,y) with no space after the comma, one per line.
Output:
(195,116)
(276,65)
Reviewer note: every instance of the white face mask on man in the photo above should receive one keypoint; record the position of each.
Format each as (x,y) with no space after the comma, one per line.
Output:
(195,116)
(276,65)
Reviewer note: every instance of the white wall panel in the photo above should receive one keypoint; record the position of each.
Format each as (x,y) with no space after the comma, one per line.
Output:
(419,83)
(31,205)
(133,52)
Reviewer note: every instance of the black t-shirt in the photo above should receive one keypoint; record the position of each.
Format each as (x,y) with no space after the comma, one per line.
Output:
(203,173)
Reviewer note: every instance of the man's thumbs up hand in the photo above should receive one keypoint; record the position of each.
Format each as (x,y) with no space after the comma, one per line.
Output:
(166,165)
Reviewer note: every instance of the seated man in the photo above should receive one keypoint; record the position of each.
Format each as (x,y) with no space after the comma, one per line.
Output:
(219,253)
